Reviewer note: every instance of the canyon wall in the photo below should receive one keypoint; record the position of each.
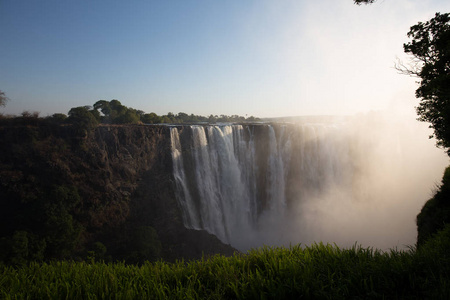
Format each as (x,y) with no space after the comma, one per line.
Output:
(66,194)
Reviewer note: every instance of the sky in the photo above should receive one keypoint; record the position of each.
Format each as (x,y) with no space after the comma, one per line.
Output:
(266,58)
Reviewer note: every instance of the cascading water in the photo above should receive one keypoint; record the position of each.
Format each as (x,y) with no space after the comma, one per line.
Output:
(189,212)
(363,180)
(235,180)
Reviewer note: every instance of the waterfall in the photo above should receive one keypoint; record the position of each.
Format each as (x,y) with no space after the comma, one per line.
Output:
(280,183)
(188,210)
(239,175)
(276,174)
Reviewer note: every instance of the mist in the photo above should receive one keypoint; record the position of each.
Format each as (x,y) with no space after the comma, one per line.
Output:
(360,179)
(394,169)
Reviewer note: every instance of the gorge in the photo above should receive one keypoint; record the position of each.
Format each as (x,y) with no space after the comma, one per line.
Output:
(137,192)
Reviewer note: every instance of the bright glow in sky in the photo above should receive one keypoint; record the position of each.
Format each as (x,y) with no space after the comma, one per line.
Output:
(264,58)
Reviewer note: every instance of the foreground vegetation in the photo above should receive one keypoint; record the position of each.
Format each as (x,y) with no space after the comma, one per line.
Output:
(316,272)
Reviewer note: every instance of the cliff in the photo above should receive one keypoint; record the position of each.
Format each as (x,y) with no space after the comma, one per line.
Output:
(107,193)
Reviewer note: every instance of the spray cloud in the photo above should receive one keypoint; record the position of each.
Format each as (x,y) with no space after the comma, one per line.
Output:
(360,179)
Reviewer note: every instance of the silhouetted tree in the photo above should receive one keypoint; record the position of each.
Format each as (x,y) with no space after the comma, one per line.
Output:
(105,109)
(430,48)
(3,98)
(435,214)
(359,2)
(30,115)
(57,118)
(114,112)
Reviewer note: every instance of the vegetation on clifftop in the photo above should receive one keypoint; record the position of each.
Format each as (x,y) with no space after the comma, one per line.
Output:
(435,214)
(113,112)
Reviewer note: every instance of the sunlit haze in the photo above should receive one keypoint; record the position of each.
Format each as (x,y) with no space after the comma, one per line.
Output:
(261,58)
(361,179)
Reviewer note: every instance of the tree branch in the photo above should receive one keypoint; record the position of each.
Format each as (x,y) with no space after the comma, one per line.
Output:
(412,69)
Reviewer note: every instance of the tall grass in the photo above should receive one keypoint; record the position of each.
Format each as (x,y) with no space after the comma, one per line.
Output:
(316,272)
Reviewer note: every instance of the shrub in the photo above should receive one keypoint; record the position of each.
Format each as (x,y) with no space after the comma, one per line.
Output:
(435,214)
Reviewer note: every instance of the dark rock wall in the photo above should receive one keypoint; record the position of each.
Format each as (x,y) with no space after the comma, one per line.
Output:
(123,175)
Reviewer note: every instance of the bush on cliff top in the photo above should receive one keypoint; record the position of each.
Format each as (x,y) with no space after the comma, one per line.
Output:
(435,214)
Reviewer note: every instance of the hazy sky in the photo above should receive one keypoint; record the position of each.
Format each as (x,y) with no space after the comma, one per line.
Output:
(262,58)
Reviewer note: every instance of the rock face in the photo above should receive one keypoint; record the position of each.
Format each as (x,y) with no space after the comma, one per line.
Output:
(122,174)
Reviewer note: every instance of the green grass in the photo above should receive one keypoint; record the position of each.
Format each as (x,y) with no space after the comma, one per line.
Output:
(316,272)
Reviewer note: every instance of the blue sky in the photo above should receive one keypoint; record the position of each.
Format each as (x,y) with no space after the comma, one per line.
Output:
(263,58)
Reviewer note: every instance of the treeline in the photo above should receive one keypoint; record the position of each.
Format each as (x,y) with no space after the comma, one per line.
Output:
(113,112)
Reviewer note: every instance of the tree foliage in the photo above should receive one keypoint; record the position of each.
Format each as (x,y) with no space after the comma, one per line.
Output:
(435,214)
(83,119)
(113,112)
(43,224)
(359,2)
(430,48)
